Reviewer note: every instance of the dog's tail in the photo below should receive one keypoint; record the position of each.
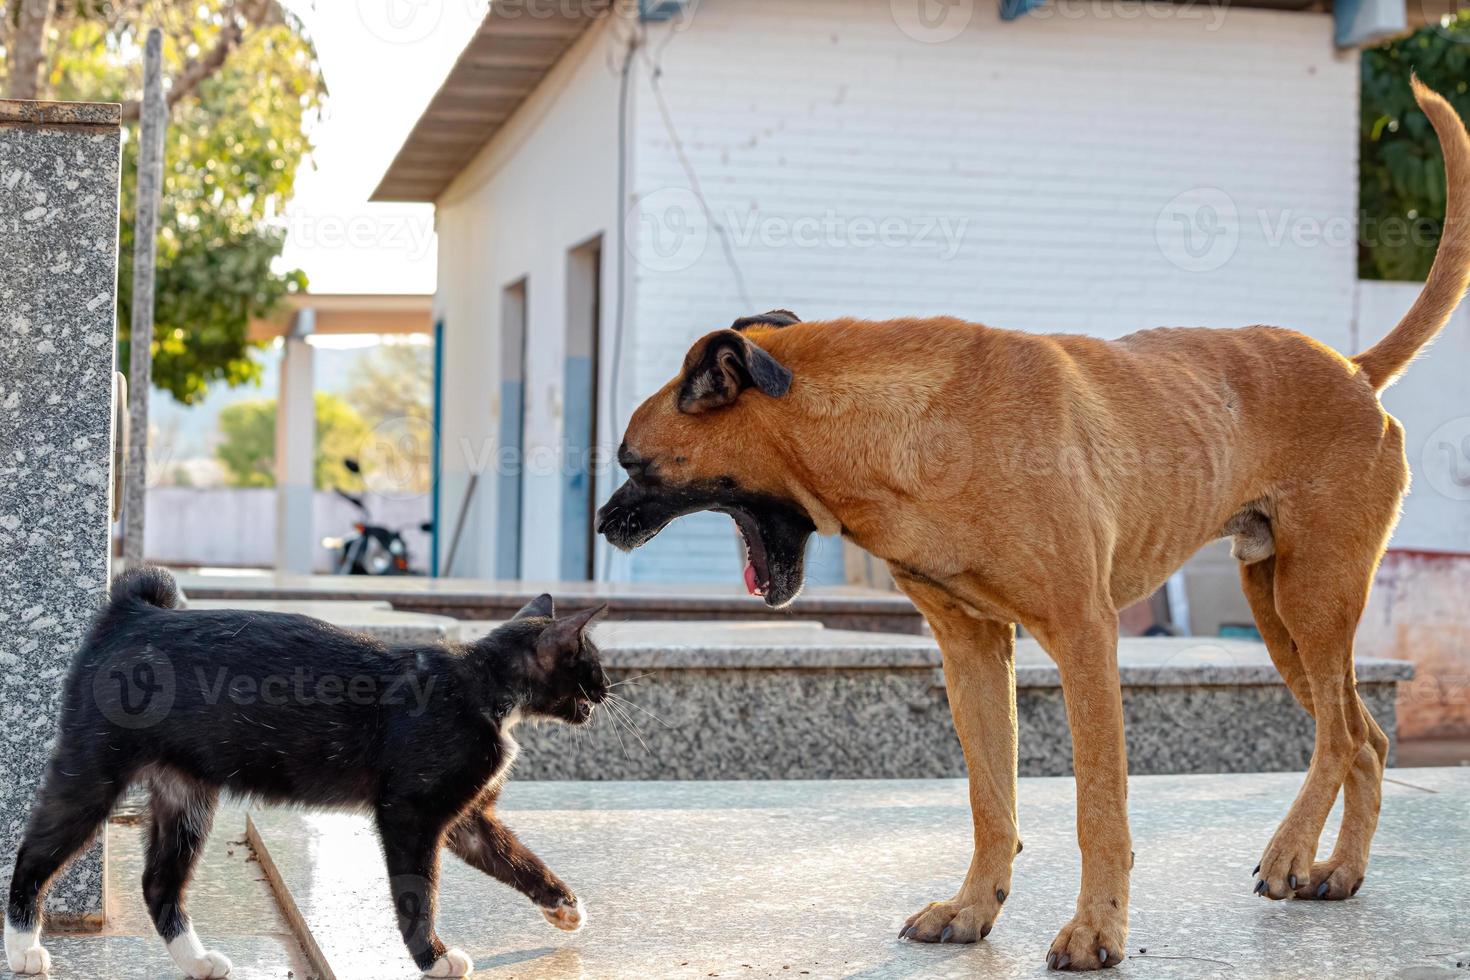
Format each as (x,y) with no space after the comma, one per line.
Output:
(1450,273)
(146,584)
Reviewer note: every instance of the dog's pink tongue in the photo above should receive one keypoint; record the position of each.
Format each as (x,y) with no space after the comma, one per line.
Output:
(751,585)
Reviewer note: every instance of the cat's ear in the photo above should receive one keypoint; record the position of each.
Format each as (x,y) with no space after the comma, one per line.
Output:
(566,633)
(540,607)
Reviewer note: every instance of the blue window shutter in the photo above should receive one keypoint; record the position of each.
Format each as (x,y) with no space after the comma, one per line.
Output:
(1361,23)
(1011,9)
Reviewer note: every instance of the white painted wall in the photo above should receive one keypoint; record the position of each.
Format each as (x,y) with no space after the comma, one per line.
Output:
(183,525)
(1093,169)
(544,185)
(1031,174)
(1432,400)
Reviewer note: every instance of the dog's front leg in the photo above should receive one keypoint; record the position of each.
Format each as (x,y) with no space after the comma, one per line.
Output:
(1087,658)
(980,675)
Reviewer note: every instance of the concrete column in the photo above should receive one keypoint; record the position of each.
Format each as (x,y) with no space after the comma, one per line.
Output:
(59,166)
(296,451)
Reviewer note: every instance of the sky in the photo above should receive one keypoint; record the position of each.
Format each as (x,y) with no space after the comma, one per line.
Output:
(382,60)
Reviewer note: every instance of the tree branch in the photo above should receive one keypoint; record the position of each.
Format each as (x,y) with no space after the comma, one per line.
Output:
(28,49)
(252,14)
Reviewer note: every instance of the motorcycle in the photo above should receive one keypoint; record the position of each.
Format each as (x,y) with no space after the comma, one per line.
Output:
(373,549)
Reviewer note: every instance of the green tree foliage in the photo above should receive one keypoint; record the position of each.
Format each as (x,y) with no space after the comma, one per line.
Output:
(392,387)
(234,144)
(247,446)
(1402,195)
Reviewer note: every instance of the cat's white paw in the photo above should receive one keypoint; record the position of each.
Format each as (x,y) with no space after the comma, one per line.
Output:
(24,962)
(23,951)
(567,916)
(454,963)
(197,962)
(210,966)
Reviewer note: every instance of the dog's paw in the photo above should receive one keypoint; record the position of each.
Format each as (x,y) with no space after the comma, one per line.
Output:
(957,920)
(1285,869)
(1332,880)
(1088,944)
(454,963)
(27,962)
(565,915)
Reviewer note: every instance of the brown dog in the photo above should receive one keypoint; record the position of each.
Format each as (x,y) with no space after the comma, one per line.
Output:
(1051,480)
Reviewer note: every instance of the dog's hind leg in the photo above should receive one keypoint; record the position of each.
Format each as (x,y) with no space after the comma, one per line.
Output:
(182,813)
(1319,582)
(1340,875)
(980,676)
(70,808)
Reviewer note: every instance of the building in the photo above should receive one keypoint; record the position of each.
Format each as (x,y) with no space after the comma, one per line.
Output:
(609,187)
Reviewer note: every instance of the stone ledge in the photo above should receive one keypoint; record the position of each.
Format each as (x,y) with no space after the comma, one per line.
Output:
(1142,661)
(19,111)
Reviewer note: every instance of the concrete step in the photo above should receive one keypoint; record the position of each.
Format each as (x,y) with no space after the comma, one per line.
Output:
(376,618)
(728,701)
(808,878)
(233,907)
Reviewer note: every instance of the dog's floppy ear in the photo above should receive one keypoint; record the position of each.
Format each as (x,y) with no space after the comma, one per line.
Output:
(721,366)
(771,318)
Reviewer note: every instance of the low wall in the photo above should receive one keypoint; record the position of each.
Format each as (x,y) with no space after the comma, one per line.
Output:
(840,705)
(236,527)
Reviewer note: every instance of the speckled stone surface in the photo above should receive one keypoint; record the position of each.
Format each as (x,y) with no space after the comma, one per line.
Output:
(814,879)
(58,216)
(730,701)
(233,909)
(377,619)
(840,607)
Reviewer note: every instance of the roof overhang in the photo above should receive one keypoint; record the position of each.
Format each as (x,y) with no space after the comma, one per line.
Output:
(511,52)
(347,313)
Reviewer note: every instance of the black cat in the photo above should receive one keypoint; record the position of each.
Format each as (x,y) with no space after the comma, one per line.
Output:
(286,708)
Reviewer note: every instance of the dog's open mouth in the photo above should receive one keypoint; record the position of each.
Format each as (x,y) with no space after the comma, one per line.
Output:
(757,564)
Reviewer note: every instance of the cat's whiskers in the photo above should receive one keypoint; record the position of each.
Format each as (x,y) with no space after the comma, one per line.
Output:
(629,680)
(615,732)
(627,702)
(622,715)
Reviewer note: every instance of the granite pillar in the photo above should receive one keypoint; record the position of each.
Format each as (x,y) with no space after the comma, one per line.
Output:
(59,168)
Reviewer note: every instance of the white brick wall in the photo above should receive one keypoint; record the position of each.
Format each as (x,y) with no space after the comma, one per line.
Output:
(543,186)
(1054,142)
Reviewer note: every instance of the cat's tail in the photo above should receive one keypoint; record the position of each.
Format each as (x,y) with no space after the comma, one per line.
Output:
(146,585)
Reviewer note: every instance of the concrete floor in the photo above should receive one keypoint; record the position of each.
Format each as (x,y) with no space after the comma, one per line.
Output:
(232,905)
(783,879)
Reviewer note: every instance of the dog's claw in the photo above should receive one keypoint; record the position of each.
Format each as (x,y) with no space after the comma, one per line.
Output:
(985,929)
(1000,895)
(1261,887)
(904,932)
(1102,954)
(1356,885)
(1322,889)
(1256,870)
(1064,961)
(1291,882)
(1051,961)
(948,932)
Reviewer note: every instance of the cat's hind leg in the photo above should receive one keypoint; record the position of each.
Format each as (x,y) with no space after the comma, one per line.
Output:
(483,842)
(72,804)
(411,845)
(182,814)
